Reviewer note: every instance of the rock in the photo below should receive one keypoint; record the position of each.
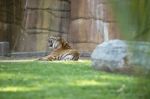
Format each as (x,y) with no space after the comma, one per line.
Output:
(110,54)
(84,23)
(85,31)
(139,54)
(118,55)
(42,19)
(95,9)
(51,4)
(90,22)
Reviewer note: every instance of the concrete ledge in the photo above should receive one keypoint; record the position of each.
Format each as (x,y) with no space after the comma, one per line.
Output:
(85,54)
(42,53)
(28,54)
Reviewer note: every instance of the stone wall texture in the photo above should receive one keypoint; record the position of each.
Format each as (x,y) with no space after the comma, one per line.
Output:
(26,24)
(92,22)
(43,18)
(11,14)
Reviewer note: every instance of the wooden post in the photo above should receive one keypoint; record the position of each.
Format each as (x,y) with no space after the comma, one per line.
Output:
(4,49)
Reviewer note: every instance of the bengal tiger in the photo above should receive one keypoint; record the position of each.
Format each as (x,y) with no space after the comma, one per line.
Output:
(61,50)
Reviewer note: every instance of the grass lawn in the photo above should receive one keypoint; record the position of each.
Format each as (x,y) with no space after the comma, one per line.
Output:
(67,80)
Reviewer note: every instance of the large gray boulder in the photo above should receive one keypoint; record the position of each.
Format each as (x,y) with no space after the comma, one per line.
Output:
(116,54)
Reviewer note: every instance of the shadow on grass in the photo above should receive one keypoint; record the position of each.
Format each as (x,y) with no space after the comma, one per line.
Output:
(64,80)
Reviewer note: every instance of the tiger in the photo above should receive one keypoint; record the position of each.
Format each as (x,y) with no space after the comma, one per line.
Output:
(61,50)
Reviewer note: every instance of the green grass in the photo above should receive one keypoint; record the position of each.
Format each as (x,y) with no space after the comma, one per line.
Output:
(66,80)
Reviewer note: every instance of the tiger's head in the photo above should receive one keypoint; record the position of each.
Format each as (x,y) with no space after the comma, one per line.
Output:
(56,42)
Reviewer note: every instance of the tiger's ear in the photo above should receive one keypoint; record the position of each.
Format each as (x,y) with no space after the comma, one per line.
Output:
(50,37)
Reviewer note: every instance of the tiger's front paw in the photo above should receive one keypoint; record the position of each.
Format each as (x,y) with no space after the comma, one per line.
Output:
(42,59)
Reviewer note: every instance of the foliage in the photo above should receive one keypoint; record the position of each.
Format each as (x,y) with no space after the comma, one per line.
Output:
(65,80)
(133,18)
